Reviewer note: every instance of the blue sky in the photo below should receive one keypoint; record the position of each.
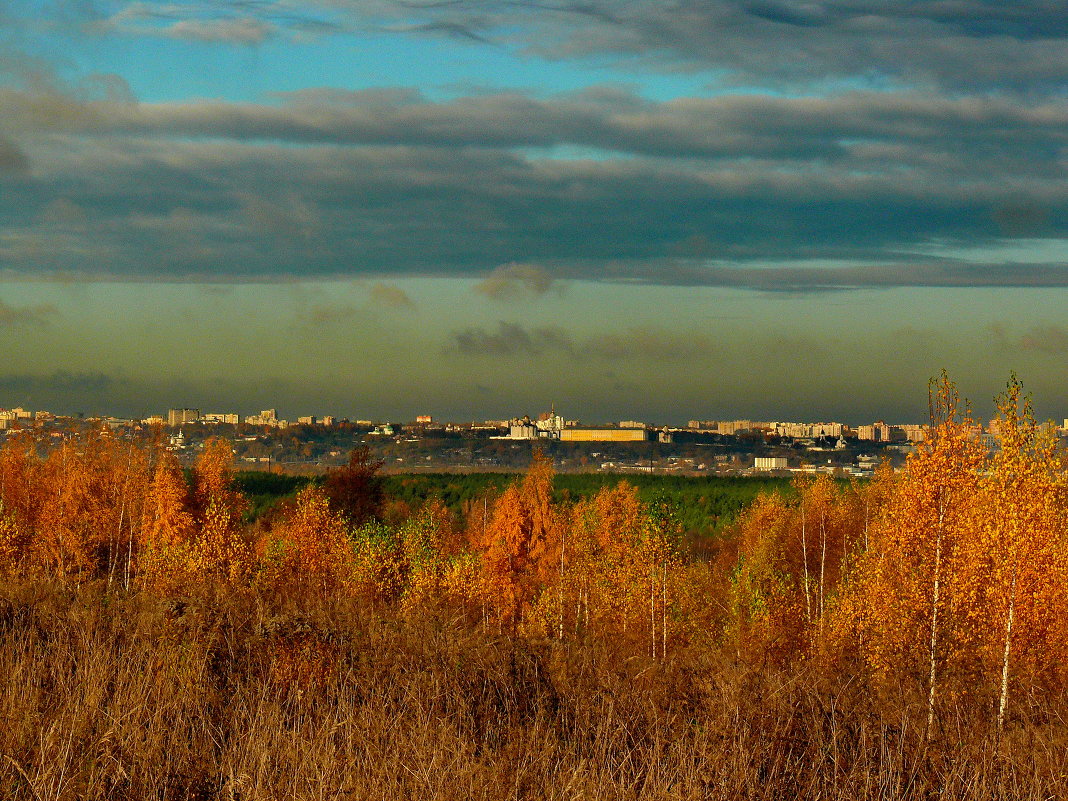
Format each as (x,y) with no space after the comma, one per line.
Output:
(675,210)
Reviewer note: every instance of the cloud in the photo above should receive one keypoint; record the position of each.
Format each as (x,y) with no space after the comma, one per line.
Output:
(1046,339)
(1020,217)
(515,281)
(390,296)
(806,280)
(965,45)
(510,340)
(910,126)
(208,22)
(326,313)
(1049,339)
(598,184)
(58,383)
(648,344)
(12,159)
(239,30)
(974,43)
(11,316)
(288,215)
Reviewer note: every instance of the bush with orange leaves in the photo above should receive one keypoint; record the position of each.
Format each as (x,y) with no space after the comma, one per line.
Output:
(309,549)
(167,556)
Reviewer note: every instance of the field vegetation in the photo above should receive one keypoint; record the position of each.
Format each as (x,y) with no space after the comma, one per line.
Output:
(905,637)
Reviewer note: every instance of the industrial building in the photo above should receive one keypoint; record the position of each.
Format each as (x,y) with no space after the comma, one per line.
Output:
(603,435)
(766,463)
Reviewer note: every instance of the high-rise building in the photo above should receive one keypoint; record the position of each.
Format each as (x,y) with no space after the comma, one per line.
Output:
(177,417)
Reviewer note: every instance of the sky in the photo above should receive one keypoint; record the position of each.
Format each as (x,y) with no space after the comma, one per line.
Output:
(708,209)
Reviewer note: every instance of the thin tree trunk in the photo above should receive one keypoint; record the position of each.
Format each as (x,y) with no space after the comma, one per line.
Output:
(932,677)
(804,559)
(1003,701)
(663,627)
(823,561)
(560,583)
(652,610)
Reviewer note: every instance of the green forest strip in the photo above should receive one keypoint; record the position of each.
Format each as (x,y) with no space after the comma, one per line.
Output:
(702,504)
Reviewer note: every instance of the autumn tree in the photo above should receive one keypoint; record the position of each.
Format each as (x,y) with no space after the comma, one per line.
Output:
(902,599)
(220,549)
(770,602)
(521,547)
(1014,571)
(355,490)
(309,548)
(167,555)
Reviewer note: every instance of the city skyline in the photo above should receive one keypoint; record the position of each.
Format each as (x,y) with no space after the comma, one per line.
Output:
(523,425)
(637,210)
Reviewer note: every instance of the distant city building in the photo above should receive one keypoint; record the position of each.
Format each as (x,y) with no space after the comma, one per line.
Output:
(732,428)
(267,417)
(221,417)
(547,426)
(631,424)
(424,419)
(328,420)
(765,463)
(550,424)
(154,420)
(177,417)
(522,428)
(307,420)
(807,430)
(876,432)
(603,435)
(913,432)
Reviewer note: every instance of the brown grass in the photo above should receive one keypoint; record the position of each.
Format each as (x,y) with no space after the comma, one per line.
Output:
(237,696)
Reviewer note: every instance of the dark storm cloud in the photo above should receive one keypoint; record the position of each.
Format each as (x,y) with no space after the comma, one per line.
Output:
(858,128)
(602,184)
(512,340)
(57,383)
(219,208)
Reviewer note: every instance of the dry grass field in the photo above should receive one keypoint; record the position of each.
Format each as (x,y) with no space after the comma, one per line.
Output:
(224,695)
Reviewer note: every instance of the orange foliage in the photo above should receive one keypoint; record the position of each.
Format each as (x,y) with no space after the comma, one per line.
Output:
(310,548)
(952,573)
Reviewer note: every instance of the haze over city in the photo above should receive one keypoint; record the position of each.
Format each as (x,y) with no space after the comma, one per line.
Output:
(631,209)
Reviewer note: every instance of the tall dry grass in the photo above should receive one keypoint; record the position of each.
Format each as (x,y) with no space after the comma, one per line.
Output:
(226,695)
